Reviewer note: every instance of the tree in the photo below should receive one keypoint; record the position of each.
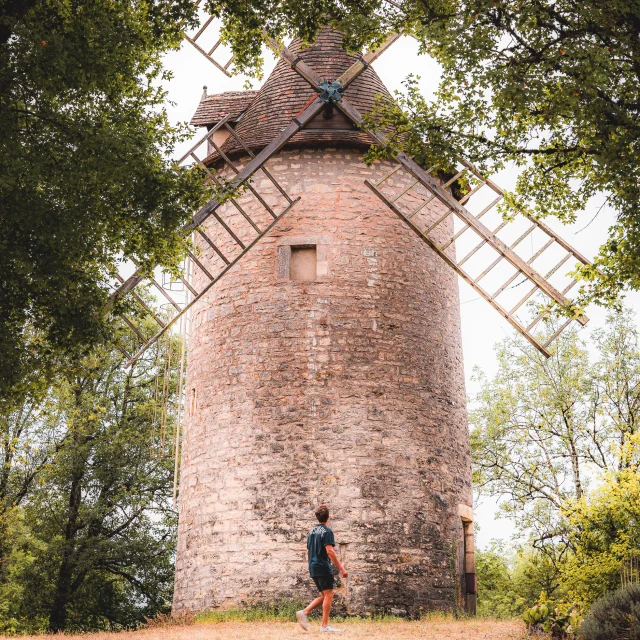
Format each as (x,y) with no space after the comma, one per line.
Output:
(616,384)
(531,433)
(511,582)
(29,437)
(92,542)
(86,176)
(542,430)
(553,87)
(558,441)
(495,587)
(605,534)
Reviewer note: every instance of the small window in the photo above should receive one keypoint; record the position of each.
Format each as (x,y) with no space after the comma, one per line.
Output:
(303,264)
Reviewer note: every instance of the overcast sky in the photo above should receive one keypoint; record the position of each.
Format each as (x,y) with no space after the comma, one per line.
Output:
(482,326)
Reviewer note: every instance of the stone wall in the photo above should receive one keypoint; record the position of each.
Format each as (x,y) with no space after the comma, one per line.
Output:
(348,390)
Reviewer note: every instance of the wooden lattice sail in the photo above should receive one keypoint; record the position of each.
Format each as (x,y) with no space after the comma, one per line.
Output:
(486,246)
(206,41)
(538,284)
(276,205)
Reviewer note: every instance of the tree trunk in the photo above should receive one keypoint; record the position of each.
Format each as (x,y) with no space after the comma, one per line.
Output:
(58,613)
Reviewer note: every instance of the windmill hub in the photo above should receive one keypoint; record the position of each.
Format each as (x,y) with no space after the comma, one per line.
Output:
(330,91)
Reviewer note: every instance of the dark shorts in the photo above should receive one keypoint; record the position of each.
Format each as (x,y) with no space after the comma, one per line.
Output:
(323,582)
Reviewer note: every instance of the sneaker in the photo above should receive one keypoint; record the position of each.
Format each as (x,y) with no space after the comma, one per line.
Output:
(302,620)
(330,629)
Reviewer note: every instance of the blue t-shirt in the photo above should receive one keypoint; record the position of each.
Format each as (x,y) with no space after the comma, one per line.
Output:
(319,537)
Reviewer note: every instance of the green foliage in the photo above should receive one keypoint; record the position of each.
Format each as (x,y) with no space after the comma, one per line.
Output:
(509,583)
(496,597)
(539,424)
(559,441)
(18,559)
(604,530)
(535,572)
(561,621)
(616,615)
(85,172)
(537,614)
(244,22)
(90,544)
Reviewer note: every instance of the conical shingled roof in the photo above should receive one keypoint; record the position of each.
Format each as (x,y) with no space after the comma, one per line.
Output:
(285,94)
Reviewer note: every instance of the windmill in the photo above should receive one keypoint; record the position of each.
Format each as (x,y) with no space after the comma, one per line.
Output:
(289,347)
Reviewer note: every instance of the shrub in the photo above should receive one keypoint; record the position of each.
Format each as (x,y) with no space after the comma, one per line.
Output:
(615,616)
(561,621)
(509,582)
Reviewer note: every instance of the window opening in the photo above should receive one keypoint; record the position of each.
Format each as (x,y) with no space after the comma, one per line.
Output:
(303,263)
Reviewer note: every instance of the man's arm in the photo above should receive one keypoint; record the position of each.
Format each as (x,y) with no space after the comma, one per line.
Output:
(334,558)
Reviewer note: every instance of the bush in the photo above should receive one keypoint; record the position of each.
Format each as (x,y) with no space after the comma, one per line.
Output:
(615,616)
(561,621)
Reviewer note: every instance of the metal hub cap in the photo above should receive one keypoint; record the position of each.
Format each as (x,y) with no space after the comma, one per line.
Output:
(330,91)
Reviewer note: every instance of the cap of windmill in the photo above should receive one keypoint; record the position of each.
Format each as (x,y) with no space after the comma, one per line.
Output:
(260,116)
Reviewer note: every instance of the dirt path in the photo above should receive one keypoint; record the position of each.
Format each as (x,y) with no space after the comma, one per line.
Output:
(424,630)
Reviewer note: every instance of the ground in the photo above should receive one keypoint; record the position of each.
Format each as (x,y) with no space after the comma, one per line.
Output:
(431,629)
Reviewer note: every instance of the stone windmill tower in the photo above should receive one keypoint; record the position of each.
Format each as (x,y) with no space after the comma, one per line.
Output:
(321,372)
(326,366)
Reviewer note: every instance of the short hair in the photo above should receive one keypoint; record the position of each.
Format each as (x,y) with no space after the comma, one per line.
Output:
(322,513)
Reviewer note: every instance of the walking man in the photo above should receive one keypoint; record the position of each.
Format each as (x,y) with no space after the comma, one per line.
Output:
(320,554)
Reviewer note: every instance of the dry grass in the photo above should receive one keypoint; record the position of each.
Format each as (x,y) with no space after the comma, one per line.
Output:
(430,629)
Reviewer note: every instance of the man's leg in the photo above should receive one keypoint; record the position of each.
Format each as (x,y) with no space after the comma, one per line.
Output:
(326,606)
(313,604)
(301,615)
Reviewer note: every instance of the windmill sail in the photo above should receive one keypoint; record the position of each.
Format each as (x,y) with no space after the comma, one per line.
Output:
(259,213)
(481,246)
(522,295)
(209,44)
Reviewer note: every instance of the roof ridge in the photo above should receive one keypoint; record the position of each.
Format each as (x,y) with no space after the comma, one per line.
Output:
(240,92)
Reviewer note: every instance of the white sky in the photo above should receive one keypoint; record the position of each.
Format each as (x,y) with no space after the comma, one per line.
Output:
(482,326)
